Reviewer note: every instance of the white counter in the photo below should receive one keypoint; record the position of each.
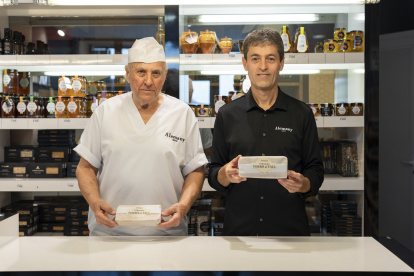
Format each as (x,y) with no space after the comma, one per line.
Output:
(198,254)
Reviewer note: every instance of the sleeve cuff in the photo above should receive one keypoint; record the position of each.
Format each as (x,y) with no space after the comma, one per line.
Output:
(213,182)
(88,156)
(198,161)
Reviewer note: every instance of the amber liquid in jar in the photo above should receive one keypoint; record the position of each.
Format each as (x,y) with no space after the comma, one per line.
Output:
(315,109)
(7,108)
(79,85)
(330,46)
(342,109)
(32,110)
(60,107)
(344,46)
(339,33)
(357,40)
(356,109)
(21,108)
(24,83)
(73,107)
(64,87)
(287,40)
(302,42)
(10,81)
(50,108)
(203,111)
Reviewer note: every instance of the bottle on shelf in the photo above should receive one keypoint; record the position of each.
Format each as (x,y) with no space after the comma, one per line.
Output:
(160,34)
(287,40)
(30,49)
(10,81)
(21,108)
(17,42)
(32,110)
(8,43)
(302,42)
(7,108)
(50,108)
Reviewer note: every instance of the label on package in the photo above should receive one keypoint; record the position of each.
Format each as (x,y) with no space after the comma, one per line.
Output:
(24,82)
(31,107)
(72,107)
(21,107)
(6,79)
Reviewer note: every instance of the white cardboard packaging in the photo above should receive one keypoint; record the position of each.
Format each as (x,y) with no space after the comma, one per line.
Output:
(263,166)
(138,215)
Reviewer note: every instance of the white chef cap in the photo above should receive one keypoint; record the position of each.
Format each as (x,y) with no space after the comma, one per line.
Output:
(146,50)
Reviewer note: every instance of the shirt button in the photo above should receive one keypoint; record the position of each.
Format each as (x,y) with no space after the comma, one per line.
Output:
(265,115)
(261,219)
(262,197)
(264,134)
(263,154)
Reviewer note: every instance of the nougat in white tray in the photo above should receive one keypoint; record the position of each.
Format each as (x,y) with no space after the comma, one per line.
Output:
(138,215)
(263,166)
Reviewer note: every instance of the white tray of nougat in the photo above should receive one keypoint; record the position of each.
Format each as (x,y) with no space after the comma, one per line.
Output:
(138,215)
(271,167)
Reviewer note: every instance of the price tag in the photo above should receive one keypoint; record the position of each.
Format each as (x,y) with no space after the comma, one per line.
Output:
(19,186)
(201,120)
(35,121)
(13,121)
(343,119)
(66,120)
(70,185)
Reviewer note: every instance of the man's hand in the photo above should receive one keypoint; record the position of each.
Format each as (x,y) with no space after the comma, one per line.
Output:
(295,183)
(176,213)
(229,173)
(102,210)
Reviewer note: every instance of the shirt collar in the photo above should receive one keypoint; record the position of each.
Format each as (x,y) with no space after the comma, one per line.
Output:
(281,101)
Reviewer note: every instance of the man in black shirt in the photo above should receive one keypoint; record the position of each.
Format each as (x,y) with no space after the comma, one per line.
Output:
(266,122)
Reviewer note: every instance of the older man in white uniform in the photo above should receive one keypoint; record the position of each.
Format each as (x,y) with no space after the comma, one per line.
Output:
(147,149)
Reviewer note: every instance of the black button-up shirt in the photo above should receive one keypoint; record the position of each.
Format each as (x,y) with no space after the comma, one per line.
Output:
(263,206)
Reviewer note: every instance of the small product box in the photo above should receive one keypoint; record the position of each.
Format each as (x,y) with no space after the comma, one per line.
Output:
(19,154)
(47,170)
(52,154)
(263,167)
(138,215)
(347,158)
(16,170)
(71,167)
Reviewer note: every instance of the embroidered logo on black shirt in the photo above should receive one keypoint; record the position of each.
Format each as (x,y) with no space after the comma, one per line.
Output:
(174,138)
(283,129)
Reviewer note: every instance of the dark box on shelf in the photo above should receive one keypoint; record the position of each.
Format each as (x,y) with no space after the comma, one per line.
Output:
(328,156)
(51,227)
(74,156)
(76,222)
(76,231)
(19,154)
(16,170)
(71,169)
(346,158)
(28,231)
(52,154)
(28,220)
(78,210)
(52,218)
(47,170)
(21,208)
(56,133)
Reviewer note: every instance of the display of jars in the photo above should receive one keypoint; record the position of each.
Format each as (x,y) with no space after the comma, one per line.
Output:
(75,107)
(225,45)
(188,42)
(10,81)
(207,40)
(65,87)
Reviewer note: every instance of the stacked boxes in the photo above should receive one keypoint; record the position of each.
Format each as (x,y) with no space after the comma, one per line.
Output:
(345,221)
(340,157)
(28,216)
(76,223)
(328,157)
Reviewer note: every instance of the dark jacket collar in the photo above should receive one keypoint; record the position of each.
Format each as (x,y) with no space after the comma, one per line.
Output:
(281,101)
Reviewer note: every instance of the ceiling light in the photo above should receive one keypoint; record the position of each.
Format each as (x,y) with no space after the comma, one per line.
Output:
(257,18)
(61,33)
(86,73)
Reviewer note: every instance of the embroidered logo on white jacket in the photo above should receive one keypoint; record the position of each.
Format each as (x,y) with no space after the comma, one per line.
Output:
(174,138)
(283,129)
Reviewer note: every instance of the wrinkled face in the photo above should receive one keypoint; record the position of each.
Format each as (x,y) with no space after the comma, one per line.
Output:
(146,80)
(263,66)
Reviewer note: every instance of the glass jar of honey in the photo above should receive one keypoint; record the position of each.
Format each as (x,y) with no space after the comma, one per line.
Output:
(339,33)
(315,108)
(21,107)
(344,46)
(8,107)
(342,109)
(207,40)
(319,47)
(74,107)
(188,42)
(32,110)
(64,87)
(10,81)
(60,107)
(326,109)
(357,41)
(50,108)
(330,46)
(356,109)
(24,83)
(203,111)
(79,86)
(91,104)
(92,88)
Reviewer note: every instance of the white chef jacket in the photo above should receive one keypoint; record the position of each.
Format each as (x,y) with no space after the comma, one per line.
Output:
(141,164)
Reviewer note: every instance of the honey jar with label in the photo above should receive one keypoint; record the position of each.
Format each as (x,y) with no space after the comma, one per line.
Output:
(7,107)
(74,107)
(79,86)
(207,40)
(60,107)
(203,111)
(226,44)
(326,109)
(64,87)
(356,109)
(330,46)
(287,40)
(319,47)
(188,42)
(315,108)
(92,87)
(21,108)
(339,33)
(32,108)
(10,81)
(24,83)
(50,108)
(344,46)
(357,41)
(342,109)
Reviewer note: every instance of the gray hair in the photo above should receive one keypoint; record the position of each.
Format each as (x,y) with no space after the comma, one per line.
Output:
(264,36)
